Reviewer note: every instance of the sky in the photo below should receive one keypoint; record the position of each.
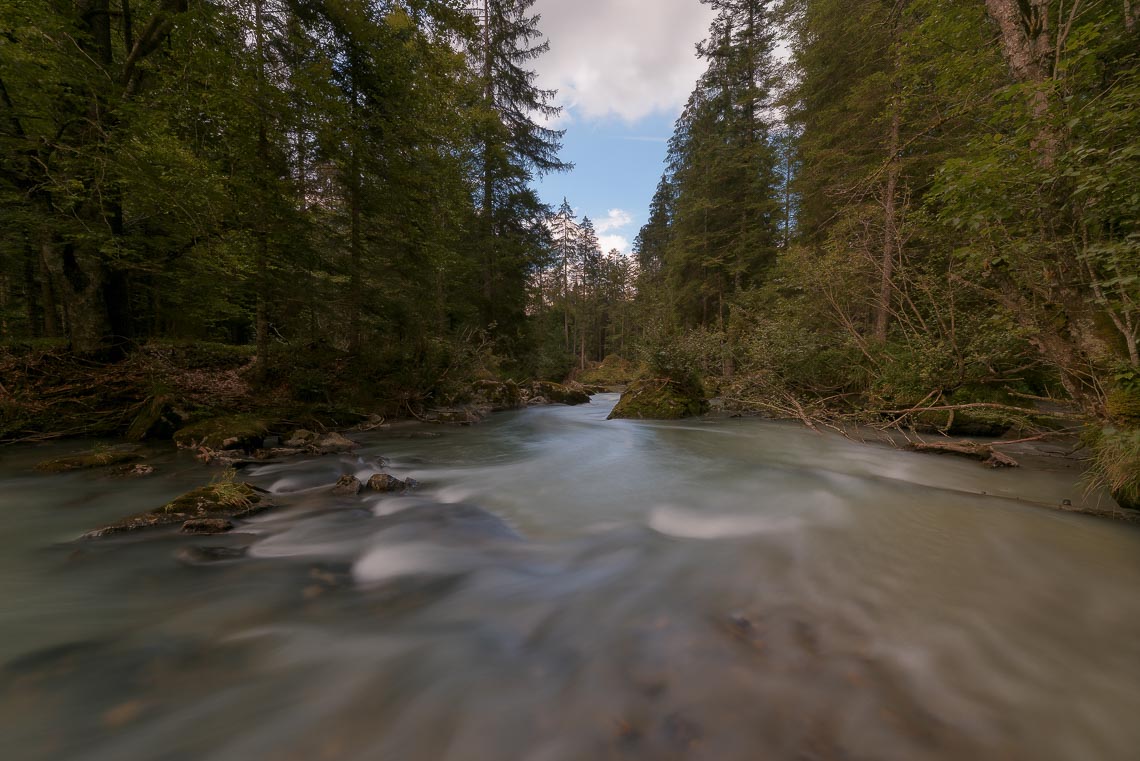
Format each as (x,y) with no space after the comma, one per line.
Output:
(623,70)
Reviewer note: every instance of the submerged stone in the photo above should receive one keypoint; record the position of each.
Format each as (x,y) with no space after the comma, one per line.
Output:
(138,470)
(94,458)
(659,399)
(209,555)
(207,526)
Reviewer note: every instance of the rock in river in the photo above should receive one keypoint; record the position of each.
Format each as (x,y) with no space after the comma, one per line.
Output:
(222,500)
(559,394)
(347,486)
(238,432)
(207,526)
(332,443)
(93,458)
(659,399)
(386,483)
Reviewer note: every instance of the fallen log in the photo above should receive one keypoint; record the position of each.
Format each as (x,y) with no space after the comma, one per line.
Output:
(984,453)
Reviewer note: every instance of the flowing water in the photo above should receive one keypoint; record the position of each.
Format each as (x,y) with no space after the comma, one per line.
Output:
(566,587)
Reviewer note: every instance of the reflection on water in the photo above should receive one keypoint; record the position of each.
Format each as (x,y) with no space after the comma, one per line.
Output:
(564,587)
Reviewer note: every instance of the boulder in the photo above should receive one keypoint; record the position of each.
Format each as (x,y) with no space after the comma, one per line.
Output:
(347,486)
(558,393)
(92,458)
(243,432)
(496,395)
(222,499)
(300,439)
(332,443)
(659,399)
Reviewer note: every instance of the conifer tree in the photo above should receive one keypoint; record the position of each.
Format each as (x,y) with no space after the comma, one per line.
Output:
(514,146)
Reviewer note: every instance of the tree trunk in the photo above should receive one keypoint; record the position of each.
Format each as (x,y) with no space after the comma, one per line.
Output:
(488,200)
(890,232)
(51,327)
(1027,46)
(356,258)
(261,324)
(78,274)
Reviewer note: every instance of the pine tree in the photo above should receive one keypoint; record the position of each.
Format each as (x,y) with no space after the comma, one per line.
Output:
(513,147)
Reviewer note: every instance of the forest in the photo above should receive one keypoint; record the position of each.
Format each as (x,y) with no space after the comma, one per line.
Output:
(925,213)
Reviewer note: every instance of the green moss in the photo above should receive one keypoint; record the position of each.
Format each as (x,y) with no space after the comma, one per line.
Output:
(94,458)
(238,432)
(659,399)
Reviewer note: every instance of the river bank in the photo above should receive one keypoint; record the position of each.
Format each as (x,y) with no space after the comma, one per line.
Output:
(205,398)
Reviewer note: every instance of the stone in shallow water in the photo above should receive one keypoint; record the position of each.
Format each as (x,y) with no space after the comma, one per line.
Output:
(138,470)
(207,526)
(94,458)
(386,483)
(332,443)
(224,499)
(209,555)
(300,438)
(659,399)
(347,486)
(244,432)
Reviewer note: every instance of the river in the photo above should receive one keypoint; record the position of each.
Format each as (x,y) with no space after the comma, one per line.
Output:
(566,587)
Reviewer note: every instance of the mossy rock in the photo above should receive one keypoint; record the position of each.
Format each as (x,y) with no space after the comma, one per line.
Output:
(1129,499)
(505,395)
(659,399)
(558,393)
(243,432)
(94,458)
(224,499)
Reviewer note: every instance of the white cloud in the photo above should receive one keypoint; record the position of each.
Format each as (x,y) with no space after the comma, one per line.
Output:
(615,220)
(610,242)
(624,58)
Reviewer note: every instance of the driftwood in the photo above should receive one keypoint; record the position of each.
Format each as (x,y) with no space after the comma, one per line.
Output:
(984,453)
